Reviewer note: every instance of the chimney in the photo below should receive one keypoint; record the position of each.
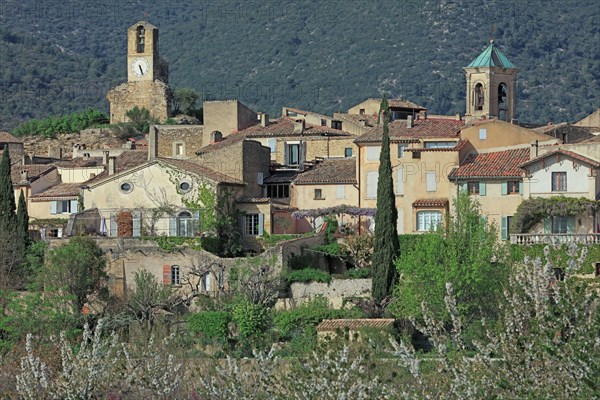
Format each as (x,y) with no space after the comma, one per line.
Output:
(86,156)
(299,126)
(55,152)
(364,122)
(105,155)
(152,143)
(533,150)
(458,118)
(111,165)
(409,121)
(216,137)
(264,119)
(423,114)
(24,177)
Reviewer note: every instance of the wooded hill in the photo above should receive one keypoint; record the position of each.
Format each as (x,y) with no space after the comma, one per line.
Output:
(58,57)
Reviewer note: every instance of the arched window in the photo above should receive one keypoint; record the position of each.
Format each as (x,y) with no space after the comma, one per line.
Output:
(428,220)
(502,101)
(479,97)
(185,224)
(140,39)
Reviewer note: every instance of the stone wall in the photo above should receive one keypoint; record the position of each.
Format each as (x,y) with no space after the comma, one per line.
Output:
(226,116)
(190,136)
(335,292)
(154,96)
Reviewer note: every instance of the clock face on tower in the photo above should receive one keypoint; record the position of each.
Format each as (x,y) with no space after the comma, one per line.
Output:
(140,66)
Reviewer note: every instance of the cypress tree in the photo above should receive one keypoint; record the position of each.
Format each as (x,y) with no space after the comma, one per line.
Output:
(7,195)
(386,243)
(23,220)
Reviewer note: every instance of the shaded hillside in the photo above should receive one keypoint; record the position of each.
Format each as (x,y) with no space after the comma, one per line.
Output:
(323,56)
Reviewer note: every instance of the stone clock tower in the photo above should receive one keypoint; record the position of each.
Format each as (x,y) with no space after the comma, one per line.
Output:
(147,77)
(491,86)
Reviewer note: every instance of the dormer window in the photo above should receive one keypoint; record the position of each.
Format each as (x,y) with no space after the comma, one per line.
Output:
(141,39)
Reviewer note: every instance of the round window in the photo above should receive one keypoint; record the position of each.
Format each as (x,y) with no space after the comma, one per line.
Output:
(185,186)
(126,187)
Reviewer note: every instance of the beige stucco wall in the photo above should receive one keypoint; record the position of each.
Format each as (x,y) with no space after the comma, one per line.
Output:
(591,120)
(303,196)
(415,171)
(371,107)
(316,146)
(226,116)
(502,134)
(78,175)
(580,180)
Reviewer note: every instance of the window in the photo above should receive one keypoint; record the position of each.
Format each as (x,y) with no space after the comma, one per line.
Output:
(399,115)
(373,153)
(478,97)
(361,111)
(293,154)
(126,187)
(64,207)
(428,220)
(430,182)
(272,144)
(439,145)
(141,33)
(179,150)
(185,226)
(372,178)
(205,280)
(278,191)
(251,224)
(416,154)
(185,186)
(291,113)
(473,187)
(323,122)
(340,192)
(482,134)
(319,194)
(559,181)
(348,152)
(401,148)
(513,187)
(54,233)
(559,224)
(336,124)
(175,275)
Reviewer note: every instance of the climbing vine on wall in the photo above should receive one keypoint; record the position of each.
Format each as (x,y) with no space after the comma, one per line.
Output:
(534,210)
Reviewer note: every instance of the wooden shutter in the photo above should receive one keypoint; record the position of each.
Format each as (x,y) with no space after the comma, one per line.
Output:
(430,183)
(74,206)
(197,225)
(340,192)
(273,144)
(504,188)
(172,225)
(571,224)
(400,181)
(504,228)
(372,178)
(400,222)
(261,224)
(548,225)
(241,221)
(521,188)
(166,274)
(286,153)
(464,187)
(113,225)
(137,224)
(482,189)
(302,155)
(53,207)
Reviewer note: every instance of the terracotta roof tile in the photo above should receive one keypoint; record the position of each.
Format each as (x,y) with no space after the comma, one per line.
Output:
(304,112)
(567,153)
(499,164)
(333,170)
(254,200)
(62,190)
(34,172)
(282,177)
(442,203)
(399,103)
(79,162)
(284,126)
(6,137)
(423,129)
(331,325)
(130,159)
(357,119)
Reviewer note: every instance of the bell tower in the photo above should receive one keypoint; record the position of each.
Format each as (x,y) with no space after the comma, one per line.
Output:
(147,77)
(491,86)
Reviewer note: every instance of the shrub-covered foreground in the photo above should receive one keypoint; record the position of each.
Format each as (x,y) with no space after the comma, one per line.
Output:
(544,345)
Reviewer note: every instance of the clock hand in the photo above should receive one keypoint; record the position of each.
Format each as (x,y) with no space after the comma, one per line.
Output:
(141,70)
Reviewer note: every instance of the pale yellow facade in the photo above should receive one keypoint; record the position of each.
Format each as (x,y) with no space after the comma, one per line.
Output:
(496,134)
(304,197)
(316,146)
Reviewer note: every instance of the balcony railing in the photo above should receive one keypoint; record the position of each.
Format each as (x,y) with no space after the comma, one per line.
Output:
(550,238)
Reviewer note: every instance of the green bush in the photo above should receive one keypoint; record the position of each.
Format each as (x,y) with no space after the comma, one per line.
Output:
(49,127)
(359,273)
(305,260)
(308,275)
(557,254)
(210,324)
(251,319)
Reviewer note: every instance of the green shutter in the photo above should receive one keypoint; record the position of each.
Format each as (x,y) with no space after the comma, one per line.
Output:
(261,224)
(504,188)
(463,187)
(482,188)
(548,225)
(173,226)
(521,188)
(504,228)
(137,224)
(571,224)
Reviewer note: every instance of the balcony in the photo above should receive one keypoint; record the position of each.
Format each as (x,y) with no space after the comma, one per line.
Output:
(550,238)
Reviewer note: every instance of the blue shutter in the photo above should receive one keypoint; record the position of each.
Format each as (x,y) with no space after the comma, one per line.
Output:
(548,225)
(53,207)
(571,227)
(286,153)
(137,224)
(273,144)
(521,188)
(261,224)
(482,188)
(197,227)
(504,228)
(504,188)
(463,187)
(113,225)
(74,206)
(172,226)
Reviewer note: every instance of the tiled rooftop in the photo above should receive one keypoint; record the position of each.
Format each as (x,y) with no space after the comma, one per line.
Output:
(333,170)
(6,137)
(34,172)
(331,325)
(62,190)
(564,153)
(499,164)
(441,203)
(200,171)
(422,129)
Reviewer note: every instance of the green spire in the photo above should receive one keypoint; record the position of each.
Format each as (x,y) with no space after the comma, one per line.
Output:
(491,57)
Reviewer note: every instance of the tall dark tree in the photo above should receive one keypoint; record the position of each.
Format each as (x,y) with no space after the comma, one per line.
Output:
(23,220)
(386,244)
(7,195)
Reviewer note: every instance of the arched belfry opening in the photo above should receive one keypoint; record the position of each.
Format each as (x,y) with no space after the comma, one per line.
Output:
(140,39)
